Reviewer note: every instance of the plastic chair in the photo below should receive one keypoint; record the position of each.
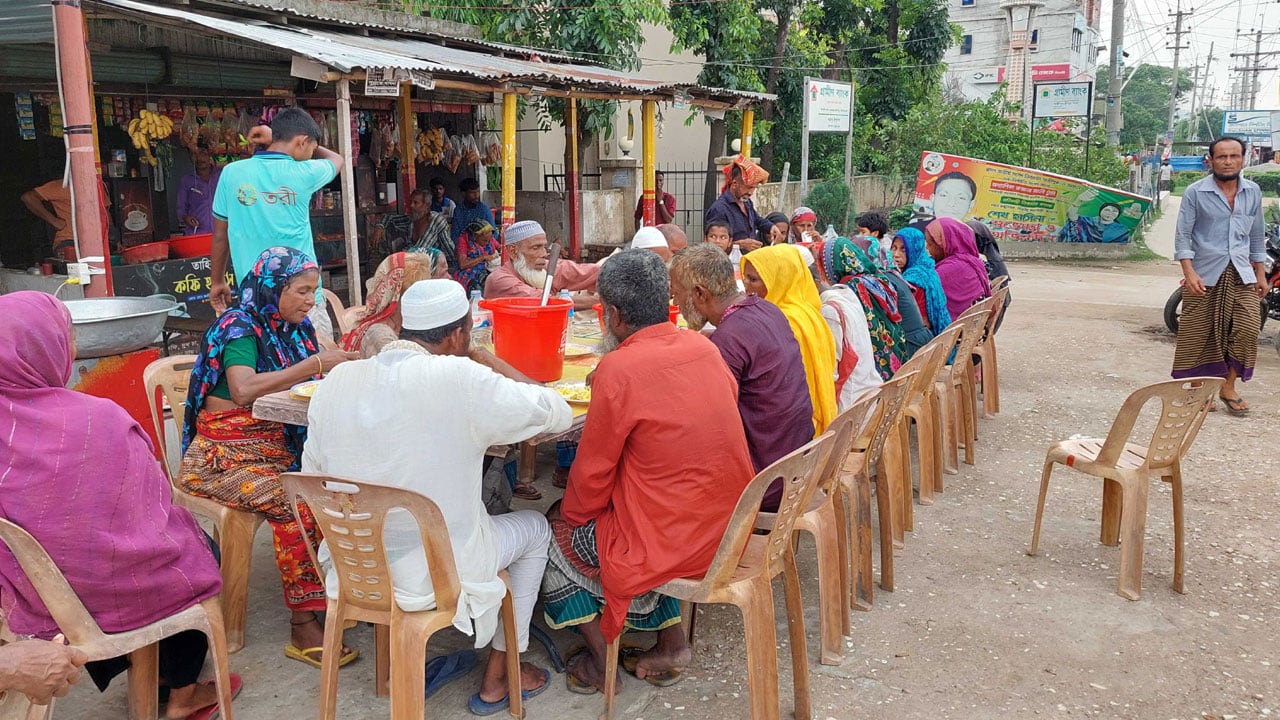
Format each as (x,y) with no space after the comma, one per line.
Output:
(352,515)
(741,574)
(1127,468)
(233,529)
(830,534)
(869,453)
(922,407)
(985,352)
(349,318)
(998,282)
(956,391)
(82,631)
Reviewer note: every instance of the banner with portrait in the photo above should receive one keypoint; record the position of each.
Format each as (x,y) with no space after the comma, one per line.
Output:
(1020,204)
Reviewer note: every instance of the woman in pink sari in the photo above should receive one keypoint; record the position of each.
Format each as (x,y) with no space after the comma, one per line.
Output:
(79,475)
(960,269)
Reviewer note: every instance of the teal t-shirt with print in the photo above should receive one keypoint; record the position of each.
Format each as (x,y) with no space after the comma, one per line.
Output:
(265,201)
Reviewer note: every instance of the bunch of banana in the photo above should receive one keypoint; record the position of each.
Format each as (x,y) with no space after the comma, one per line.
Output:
(145,130)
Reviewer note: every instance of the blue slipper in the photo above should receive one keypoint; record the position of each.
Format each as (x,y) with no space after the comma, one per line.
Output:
(478,706)
(446,668)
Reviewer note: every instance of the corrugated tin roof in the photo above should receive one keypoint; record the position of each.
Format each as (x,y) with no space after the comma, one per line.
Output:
(24,22)
(346,52)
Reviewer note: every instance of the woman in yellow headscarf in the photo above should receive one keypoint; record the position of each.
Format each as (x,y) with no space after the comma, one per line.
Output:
(778,274)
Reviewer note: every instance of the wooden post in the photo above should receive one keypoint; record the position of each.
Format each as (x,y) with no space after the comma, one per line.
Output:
(348,181)
(508,161)
(408,164)
(650,112)
(748,124)
(572,181)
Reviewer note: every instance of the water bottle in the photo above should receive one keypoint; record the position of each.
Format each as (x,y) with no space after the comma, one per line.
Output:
(830,233)
(564,295)
(481,322)
(735,256)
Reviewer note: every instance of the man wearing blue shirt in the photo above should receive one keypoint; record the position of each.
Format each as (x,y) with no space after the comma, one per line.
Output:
(264,201)
(1221,245)
(471,208)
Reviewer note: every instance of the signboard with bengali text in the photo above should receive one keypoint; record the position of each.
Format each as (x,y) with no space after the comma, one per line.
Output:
(1063,100)
(828,105)
(1252,125)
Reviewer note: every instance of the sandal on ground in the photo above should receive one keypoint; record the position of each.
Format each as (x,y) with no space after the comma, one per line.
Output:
(575,684)
(629,658)
(1235,405)
(293,652)
(478,706)
(442,670)
(214,711)
(526,492)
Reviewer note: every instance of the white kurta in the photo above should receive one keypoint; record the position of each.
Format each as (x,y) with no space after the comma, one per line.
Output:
(864,375)
(422,422)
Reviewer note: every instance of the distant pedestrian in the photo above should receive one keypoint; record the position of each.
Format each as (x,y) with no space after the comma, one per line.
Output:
(1220,242)
(1166,175)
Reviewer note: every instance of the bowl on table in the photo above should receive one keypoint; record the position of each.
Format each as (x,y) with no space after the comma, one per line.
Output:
(191,246)
(146,253)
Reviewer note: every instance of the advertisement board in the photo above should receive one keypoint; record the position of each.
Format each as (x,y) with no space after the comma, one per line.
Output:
(1025,205)
(1063,100)
(1042,73)
(827,105)
(1252,125)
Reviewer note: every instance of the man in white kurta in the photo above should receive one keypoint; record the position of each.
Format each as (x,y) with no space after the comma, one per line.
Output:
(420,416)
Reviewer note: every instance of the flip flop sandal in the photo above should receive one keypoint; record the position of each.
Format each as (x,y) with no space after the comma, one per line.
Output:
(442,670)
(212,712)
(1230,403)
(478,706)
(526,492)
(629,657)
(294,653)
(575,685)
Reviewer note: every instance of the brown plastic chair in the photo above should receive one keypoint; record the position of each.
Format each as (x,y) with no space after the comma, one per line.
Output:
(349,318)
(956,391)
(1127,469)
(922,407)
(233,529)
(985,352)
(352,515)
(872,451)
(830,533)
(998,282)
(742,573)
(82,631)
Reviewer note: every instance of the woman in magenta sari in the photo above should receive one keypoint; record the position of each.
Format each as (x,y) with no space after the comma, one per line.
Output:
(960,269)
(79,475)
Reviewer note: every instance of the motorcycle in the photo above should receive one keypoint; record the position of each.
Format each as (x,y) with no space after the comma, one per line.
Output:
(1270,303)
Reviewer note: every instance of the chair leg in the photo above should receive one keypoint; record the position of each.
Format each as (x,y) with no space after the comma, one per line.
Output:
(927,450)
(884,505)
(528,463)
(329,662)
(990,379)
(218,645)
(890,481)
(905,494)
(610,676)
(862,526)
(795,634)
(144,678)
(843,555)
(515,701)
(235,531)
(950,439)
(1179,558)
(830,591)
(965,414)
(1133,525)
(689,615)
(408,673)
(1044,491)
(762,651)
(1112,509)
(382,660)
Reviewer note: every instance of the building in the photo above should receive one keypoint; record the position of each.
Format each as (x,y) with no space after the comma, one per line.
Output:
(1061,40)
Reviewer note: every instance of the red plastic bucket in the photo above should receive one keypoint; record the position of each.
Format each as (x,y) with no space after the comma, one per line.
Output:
(529,336)
(673,314)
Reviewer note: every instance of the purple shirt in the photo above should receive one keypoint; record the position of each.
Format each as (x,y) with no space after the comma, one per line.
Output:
(195,198)
(757,344)
(748,226)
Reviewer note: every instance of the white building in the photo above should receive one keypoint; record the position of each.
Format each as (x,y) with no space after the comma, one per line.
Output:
(1062,40)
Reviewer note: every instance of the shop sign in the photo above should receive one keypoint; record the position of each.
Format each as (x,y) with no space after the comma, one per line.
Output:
(1063,100)
(422,79)
(827,105)
(381,82)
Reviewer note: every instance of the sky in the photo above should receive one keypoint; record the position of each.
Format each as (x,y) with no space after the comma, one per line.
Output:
(1213,21)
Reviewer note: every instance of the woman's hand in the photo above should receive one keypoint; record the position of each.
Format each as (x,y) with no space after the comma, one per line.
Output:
(329,359)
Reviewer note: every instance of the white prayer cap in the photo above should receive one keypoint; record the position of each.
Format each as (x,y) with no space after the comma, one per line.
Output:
(805,254)
(648,237)
(430,304)
(522,230)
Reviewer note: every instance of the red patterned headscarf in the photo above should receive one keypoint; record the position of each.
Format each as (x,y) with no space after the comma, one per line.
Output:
(752,174)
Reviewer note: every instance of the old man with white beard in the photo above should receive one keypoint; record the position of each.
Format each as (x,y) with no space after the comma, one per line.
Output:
(525,273)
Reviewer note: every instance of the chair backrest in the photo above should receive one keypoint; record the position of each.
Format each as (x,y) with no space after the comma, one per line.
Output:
(1184,404)
(72,619)
(973,324)
(352,516)
(920,364)
(167,378)
(349,318)
(999,281)
(999,303)
(846,428)
(799,473)
(892,399)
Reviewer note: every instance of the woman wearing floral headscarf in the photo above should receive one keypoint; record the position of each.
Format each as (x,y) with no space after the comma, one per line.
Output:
(476,248)
(846,263)
(263,345)
(380,323)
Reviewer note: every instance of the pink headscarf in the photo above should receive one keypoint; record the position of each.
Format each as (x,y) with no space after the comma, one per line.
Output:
(79,474)
(961,270)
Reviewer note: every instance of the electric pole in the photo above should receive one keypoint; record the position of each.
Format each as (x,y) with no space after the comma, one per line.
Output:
(1178,47)
(1198,95)
(1115,121)
(1248,85)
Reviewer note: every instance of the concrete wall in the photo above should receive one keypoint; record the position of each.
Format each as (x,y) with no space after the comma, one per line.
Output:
(1052,250)
(548,208)
(606,217)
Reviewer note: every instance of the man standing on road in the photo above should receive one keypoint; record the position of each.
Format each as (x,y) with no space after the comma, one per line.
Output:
(1220,242)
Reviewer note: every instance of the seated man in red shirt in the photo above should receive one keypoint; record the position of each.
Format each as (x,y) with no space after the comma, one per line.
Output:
(525,271)
(664,206)
(662,465)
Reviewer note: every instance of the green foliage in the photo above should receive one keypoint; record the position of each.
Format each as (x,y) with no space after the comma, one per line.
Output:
(1145,102)
(726,34)
(1268,181)
(831,200)
(900,216)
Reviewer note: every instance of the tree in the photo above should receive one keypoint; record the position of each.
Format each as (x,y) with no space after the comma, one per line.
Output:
(1145,102)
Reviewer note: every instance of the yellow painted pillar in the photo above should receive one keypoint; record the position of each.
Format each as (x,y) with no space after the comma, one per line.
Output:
(748,122)
(408,130)
(650,168)
(508,161)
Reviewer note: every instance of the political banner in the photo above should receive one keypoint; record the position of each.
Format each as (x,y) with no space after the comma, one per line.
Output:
(1025,205)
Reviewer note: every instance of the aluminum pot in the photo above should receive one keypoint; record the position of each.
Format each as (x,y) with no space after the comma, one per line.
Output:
(117,325)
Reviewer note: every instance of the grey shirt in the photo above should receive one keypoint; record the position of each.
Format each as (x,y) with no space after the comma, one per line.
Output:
(1213,235)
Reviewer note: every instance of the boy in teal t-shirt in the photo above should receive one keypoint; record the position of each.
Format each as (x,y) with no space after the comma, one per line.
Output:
(264,201)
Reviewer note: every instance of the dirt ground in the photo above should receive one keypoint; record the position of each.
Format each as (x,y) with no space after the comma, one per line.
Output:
(976,628)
